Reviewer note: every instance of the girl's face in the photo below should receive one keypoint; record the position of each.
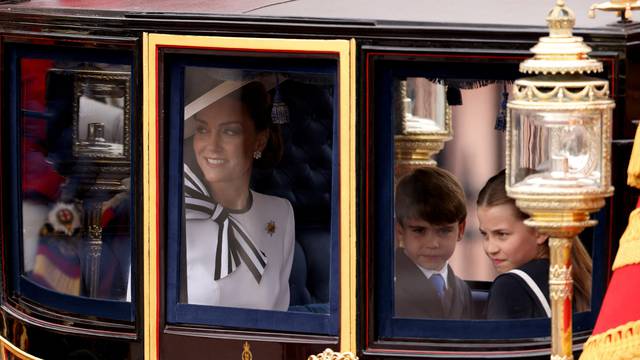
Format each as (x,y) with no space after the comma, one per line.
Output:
(508,242)
(225,140)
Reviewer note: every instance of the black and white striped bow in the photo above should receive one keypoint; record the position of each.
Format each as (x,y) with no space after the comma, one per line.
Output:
(234,247)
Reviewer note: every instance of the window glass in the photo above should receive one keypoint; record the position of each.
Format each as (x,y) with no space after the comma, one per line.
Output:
(450,245)
(75,177)
(256,159)
(450,260)
(240,242)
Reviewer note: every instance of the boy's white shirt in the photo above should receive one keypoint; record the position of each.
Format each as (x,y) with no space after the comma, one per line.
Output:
(428,273)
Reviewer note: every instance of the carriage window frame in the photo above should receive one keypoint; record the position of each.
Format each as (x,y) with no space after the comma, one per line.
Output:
(179,314)
(21,288)
(382,69)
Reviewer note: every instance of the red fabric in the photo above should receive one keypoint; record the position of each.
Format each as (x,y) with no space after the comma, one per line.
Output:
(107,216)
(34,83)
(620,304)
(38,175)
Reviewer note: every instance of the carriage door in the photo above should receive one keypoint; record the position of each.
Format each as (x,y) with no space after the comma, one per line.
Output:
(248,176)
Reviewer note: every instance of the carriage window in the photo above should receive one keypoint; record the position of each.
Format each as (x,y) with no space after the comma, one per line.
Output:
(256,162)
(73,117)
(461,255)
(240,235)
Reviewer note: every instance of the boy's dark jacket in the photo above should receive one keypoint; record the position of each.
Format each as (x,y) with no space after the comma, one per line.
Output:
(415,297)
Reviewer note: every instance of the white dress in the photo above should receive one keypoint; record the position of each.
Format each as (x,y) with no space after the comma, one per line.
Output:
(269,223)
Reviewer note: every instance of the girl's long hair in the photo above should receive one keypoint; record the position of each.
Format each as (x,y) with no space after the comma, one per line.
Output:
(494,193)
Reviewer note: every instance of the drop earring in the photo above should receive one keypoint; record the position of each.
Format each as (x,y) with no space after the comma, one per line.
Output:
(257,154)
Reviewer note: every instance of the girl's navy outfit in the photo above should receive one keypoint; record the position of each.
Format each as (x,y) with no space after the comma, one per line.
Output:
(510,297)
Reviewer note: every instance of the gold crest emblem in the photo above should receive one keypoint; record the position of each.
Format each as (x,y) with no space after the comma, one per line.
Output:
(246,351)
(270,228)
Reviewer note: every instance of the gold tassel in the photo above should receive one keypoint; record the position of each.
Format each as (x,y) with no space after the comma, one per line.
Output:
(620,343)
(633,171)
(629,250)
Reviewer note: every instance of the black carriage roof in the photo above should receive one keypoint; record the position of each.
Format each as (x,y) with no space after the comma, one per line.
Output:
(461,13)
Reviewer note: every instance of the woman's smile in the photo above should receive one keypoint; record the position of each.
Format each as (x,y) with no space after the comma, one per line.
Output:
(214,161)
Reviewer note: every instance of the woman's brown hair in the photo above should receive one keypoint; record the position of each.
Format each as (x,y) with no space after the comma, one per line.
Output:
(494,193)
(255,98)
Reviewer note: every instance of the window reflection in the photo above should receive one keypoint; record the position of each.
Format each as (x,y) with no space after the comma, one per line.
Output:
(475,153)
(423,105)
(75,201)
(100,126)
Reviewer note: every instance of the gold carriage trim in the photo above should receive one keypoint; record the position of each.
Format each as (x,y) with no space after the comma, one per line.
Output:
(629,250)
(622,342)
(6,348)
(633,170)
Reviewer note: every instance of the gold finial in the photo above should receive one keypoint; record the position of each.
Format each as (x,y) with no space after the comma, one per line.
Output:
(561,20)
(622,7)
(560,52)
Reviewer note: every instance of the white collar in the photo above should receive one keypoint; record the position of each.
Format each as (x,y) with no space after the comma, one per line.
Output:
(444,271)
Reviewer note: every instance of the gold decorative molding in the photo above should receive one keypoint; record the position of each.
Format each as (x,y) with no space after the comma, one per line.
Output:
(560,291)
(7,348)
(329,354)
(589,89)
(559,274)
(557,243)
(413,151)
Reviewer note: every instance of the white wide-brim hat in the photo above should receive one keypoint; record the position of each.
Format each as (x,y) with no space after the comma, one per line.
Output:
(204,86)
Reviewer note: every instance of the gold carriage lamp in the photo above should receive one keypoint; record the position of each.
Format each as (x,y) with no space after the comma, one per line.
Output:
(423,123)
(622,7)
(559,153)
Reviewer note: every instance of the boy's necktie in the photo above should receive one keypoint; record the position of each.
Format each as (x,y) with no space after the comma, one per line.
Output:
(438,284)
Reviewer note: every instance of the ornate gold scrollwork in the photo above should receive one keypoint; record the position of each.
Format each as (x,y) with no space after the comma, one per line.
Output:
(329,354)
(559,274)
(560,292)
(558,243)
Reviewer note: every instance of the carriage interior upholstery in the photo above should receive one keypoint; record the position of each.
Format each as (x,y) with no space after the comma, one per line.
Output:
(304,176)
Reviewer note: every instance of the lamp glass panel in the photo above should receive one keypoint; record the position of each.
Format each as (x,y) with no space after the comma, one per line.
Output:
(556,150)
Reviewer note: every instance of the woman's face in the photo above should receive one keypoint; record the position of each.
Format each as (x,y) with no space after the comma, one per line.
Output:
(508,242)
(225,140)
